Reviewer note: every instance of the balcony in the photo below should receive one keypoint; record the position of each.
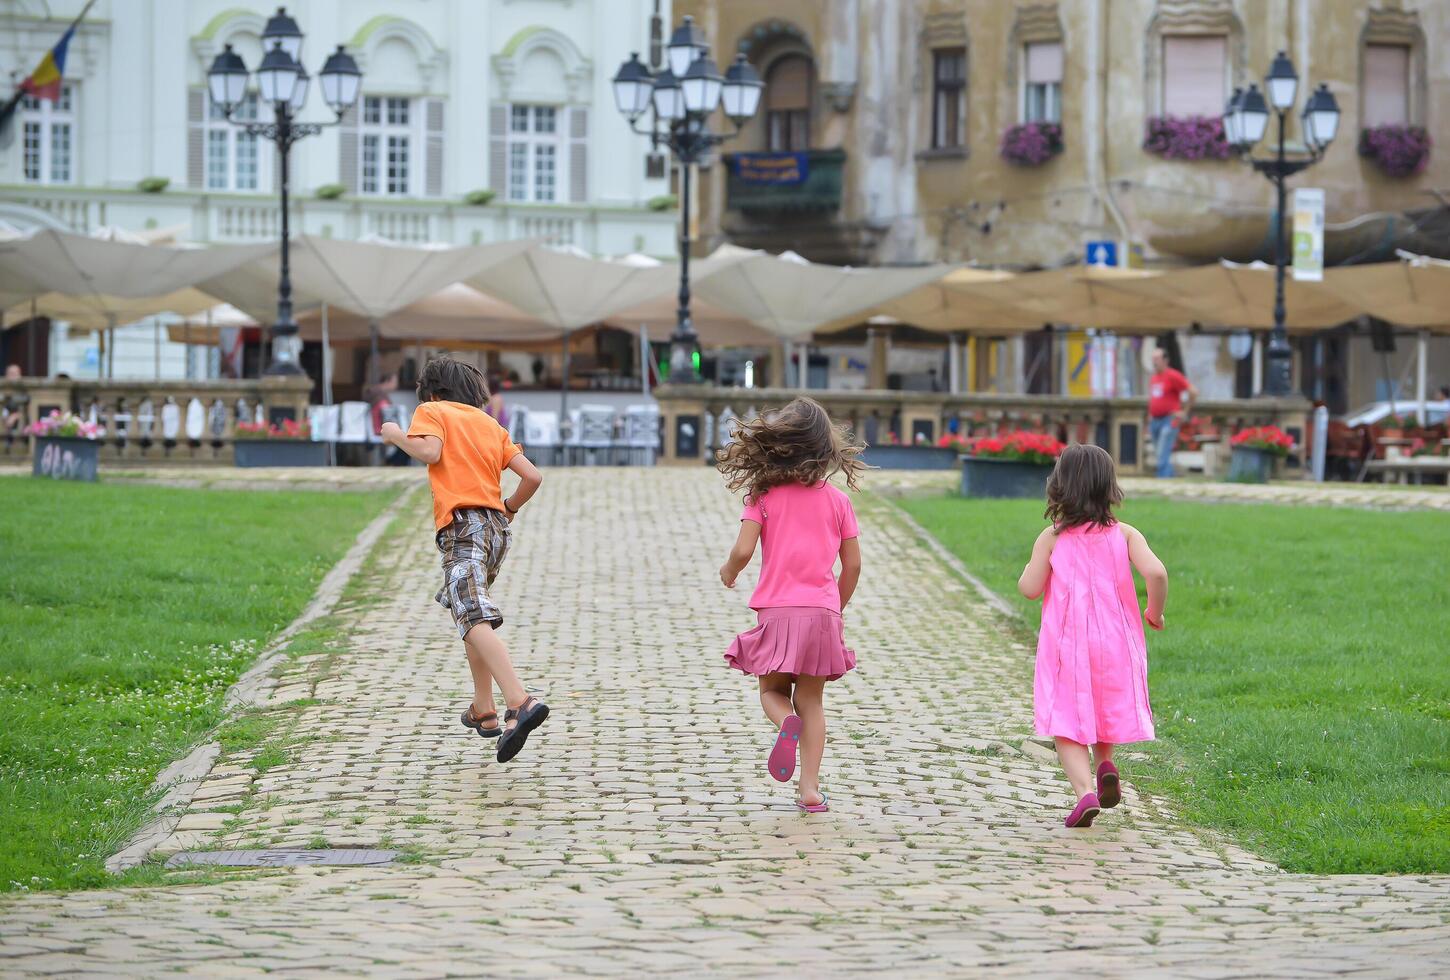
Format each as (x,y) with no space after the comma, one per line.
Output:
(773,183)
(228,218)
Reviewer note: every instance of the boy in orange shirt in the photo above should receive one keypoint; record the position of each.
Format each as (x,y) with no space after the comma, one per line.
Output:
(467,452)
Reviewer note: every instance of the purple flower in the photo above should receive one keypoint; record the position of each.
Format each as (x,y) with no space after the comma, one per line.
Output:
(1186,138)
(1400,151)
(1031,144)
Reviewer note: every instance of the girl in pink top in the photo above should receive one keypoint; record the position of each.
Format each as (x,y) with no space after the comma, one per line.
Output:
(1091,687)
(803,524)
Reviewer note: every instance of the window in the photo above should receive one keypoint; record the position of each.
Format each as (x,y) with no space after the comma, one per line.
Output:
(533,153)
(1386,84)
(788,104)
(387,145)
(948,98)
(48,138)
(1042,90)
(233,157)
(1195,73)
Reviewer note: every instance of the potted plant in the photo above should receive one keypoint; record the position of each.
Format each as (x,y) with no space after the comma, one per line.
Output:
(1186,138)
(288,443)
(895,454)
(330,192)
(67,447)
(1398,150)
(1255,450)
(479,198)
(1014,465)
(1031,144)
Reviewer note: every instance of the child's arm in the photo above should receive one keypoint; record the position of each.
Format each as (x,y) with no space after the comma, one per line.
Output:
(530,479)
(741,553)
(425,449)
(850,569)
(1033,581)
(1153,573)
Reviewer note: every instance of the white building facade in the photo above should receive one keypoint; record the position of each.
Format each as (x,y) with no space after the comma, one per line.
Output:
(479,121)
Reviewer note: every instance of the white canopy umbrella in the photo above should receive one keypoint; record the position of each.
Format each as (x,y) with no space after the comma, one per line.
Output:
(569,289)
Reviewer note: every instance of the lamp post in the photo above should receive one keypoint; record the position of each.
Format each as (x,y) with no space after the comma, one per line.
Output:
(282,81)
(681,99)
(1245,120)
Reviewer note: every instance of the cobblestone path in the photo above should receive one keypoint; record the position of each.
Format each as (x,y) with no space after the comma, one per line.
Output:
(640,834)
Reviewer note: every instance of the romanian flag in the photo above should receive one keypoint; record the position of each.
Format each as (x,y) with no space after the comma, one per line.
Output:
(44,82)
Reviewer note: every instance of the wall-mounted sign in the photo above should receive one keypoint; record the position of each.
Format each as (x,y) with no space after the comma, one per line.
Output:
(1309,233)
(771,168)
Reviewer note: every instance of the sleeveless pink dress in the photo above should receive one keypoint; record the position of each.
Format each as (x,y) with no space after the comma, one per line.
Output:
(1092,659)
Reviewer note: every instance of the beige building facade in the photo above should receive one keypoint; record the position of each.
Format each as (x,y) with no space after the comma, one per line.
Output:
(903,112)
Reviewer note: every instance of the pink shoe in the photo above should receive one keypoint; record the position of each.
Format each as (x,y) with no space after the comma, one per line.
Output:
(822,807)
(1110,791)
(782,756)
(1082,815)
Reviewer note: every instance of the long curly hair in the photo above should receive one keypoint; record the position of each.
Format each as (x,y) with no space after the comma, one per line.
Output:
(797,444)
(1083,488)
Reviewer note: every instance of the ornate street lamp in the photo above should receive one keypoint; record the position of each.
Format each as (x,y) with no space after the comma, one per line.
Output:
(283,82)
(1245,120)
(681,100)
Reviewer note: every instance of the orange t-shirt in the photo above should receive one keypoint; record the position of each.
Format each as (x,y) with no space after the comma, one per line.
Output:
(476,451)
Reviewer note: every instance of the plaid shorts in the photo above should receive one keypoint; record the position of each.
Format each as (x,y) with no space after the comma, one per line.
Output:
(473,545)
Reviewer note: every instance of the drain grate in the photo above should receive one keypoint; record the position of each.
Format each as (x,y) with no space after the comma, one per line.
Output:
(281,857)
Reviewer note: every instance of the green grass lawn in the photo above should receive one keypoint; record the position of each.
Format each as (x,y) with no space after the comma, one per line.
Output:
(125,613)
(1302,688)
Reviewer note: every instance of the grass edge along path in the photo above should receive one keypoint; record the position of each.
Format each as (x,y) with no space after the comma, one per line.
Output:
(127,613)
(1301,692)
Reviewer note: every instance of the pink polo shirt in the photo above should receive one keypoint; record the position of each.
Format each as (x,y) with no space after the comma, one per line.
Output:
(801,530)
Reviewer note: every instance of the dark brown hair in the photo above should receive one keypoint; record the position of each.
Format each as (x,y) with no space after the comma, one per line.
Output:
(448,380)
(797,444)
(1083,488)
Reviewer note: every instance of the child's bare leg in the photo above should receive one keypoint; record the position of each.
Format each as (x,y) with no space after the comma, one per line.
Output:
(489,652)
(1074,758)
(810,705)
(775,697)
(482,684)
(1102,752)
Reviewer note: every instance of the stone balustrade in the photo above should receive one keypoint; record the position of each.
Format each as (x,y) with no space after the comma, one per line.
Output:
(135,414)
(698,418)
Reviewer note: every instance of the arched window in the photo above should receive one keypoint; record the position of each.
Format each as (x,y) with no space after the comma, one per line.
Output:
(788,104)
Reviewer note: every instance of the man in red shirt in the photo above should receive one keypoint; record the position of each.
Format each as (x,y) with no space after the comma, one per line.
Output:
(1167,408)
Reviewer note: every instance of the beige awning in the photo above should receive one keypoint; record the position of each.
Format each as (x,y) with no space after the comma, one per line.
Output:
(455,313)
(1413,292)
(1232,295)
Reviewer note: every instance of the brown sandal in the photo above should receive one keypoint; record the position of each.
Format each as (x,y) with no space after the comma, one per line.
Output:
(526,718)
(476,723)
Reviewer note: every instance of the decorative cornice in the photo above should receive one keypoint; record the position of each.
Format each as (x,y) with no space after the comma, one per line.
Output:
(1392,25)
(767,32)
(944,30)
(578,70)
(1203,16)
(838,95)
(1037,23)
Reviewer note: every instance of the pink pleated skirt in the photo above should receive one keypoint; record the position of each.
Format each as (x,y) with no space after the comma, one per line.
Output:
(793,640)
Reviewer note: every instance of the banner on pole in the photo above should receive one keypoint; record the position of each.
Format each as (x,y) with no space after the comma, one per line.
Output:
(1309,233)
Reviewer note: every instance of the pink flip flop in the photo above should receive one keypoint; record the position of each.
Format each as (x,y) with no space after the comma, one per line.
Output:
(782,756)
(821,807)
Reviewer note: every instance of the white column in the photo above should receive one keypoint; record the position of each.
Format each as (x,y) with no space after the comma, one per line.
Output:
(954,364)
(1422,354)
(1256,384)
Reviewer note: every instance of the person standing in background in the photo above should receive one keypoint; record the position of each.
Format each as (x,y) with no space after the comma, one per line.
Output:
(1167,409)
(495,408)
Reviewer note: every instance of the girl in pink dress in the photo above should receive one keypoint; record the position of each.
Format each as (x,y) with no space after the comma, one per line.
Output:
(1091,687)
(803,524)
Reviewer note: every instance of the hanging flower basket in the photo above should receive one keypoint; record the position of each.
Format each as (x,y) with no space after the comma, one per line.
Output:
(1399,151)
(1186,138)
(1032,144)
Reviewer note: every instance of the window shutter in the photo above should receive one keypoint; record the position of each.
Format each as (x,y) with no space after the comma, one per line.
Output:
(1194,75)
(579,154)
(788,84)
(498,163)
(1386,84)
(1044,63)
(434,148)
(195,138)
(347,150)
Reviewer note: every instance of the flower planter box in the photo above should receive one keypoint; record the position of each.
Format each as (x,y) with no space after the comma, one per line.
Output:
(1248,465)
(60,458)
(910,457)
(280,452)
(984,477)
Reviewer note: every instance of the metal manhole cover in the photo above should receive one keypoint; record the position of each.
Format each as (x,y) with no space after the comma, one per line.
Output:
(281,857)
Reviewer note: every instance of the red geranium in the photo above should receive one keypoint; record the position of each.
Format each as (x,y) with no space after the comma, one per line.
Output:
(1024,447)
(1268,438)
(289,429)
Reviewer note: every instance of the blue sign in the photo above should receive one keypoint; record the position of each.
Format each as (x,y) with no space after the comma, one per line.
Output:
(1102,253)
(771,168)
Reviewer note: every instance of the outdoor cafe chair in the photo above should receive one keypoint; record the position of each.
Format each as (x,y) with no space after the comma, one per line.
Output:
(641,436)
(592,434)
(541,437)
